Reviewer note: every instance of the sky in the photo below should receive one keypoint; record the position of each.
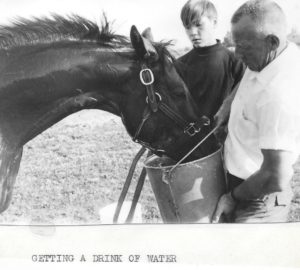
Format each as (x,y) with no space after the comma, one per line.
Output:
(163,16)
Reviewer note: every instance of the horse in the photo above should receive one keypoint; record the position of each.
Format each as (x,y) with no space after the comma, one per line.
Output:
(55,66)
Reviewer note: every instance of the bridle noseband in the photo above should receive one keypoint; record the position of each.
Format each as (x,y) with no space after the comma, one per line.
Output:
(154,103)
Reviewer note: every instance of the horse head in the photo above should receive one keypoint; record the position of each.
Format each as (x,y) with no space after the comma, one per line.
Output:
(159,111)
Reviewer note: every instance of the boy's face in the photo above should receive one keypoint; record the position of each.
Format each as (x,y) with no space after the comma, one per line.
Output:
(202,32)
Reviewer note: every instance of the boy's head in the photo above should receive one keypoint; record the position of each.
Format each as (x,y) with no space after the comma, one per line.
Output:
(199,18)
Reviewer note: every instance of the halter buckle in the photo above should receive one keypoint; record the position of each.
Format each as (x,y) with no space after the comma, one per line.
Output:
(157,95)
(191,129)
(142,76)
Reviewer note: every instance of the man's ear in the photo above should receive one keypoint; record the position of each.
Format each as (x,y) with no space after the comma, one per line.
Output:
(273,42)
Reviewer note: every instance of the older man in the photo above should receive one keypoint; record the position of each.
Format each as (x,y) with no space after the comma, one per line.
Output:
(264,125)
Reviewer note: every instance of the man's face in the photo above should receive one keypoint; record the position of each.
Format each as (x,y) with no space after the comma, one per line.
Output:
(251,45)
(202,32)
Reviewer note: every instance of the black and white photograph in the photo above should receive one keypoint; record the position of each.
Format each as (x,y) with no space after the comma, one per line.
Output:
(150,134)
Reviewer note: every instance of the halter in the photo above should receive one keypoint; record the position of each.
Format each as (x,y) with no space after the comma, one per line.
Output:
(155,103)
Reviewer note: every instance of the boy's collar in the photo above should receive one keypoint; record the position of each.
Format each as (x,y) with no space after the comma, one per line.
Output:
(208,48)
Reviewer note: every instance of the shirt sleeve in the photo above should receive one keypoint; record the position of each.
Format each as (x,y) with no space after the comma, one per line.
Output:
(277,126)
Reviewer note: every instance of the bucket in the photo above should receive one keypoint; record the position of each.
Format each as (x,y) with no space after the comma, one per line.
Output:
(190,193)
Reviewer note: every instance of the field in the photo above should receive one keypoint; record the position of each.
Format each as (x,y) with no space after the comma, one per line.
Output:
(72,170)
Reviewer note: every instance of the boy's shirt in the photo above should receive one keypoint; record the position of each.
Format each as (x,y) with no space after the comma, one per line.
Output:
(210,74)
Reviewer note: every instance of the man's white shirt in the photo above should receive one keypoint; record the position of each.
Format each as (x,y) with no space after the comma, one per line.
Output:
(265,114)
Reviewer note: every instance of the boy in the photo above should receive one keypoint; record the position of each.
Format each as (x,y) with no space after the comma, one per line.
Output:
(210,70)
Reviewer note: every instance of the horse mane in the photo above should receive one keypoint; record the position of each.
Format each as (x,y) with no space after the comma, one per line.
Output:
(57,28)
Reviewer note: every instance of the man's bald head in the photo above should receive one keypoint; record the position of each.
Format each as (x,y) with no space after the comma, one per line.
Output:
(259,30)
(267,15)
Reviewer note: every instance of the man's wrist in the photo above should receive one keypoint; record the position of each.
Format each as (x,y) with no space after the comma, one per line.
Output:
(234,198)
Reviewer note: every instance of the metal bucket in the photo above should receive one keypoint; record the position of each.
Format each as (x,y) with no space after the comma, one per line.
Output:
(190,193)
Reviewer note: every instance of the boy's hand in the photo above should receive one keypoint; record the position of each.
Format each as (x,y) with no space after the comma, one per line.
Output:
(222,115)
(220,121)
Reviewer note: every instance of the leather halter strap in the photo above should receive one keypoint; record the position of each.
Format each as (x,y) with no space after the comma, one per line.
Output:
(190,128)
(155,102)
(147,79)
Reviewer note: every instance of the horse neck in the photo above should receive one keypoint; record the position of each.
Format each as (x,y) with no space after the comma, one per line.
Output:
(42,85)
(63,67)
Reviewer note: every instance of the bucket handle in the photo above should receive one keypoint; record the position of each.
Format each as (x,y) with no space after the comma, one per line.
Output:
(195,147)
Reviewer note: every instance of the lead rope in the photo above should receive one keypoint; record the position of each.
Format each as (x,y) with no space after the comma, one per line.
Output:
(137,192)
(136,196)
(127,183)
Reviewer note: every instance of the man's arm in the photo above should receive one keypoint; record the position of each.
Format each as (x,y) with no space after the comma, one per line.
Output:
(273,176)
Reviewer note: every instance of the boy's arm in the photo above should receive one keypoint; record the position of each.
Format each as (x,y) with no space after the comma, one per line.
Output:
(237,70)
(222,116)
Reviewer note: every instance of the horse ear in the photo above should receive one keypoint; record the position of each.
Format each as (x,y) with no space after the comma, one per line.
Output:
(137,42)
(147,33)
(142,46)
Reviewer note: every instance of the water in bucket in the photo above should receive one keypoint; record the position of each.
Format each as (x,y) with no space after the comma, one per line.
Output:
(190,193)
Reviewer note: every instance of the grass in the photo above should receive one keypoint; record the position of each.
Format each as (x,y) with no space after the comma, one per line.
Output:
(72,170)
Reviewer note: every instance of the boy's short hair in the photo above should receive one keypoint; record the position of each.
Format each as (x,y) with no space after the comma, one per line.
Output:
(194,9)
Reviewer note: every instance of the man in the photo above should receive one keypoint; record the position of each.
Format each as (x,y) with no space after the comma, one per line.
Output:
(264,125)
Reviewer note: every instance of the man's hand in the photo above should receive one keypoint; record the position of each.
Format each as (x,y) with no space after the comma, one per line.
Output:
(225,206)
